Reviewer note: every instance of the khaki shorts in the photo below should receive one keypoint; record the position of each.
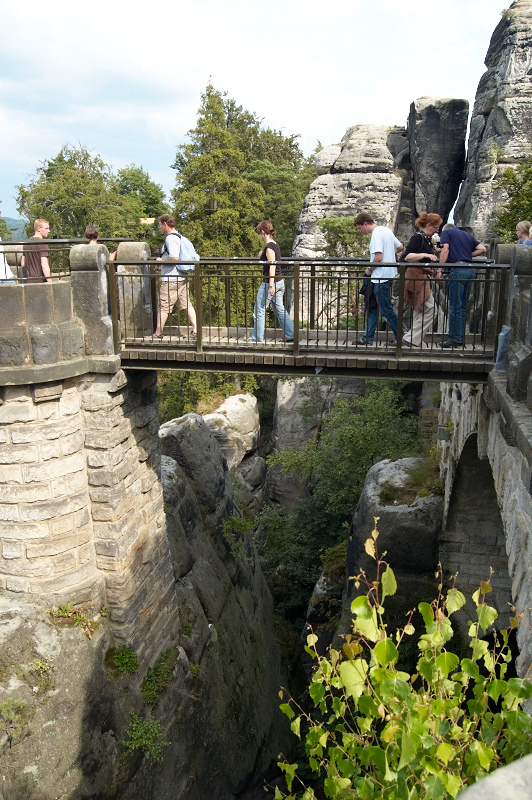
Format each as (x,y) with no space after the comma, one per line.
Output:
(174,292)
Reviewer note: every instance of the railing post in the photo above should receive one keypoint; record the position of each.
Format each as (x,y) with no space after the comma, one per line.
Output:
(227,297)
(400,304)
(312,315)
(199,306)
(501,305)
(296,308)
(113,297)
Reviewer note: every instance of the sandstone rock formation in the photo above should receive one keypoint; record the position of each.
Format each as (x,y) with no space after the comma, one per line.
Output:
(219,712)
(501,125)
(392,172)
(235,426)
(408,534)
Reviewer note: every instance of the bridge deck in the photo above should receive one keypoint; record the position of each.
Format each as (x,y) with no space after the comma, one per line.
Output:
(324,352)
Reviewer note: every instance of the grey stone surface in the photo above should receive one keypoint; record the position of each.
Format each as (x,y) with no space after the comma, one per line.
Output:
(235,426)
(501,124)
(507,783)
(436,134)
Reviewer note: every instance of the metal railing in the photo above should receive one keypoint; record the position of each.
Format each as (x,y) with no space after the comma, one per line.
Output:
(58,254)
(324,300)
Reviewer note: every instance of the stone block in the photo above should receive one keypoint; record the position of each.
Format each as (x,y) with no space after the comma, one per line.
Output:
(66,446)
(25,532)
(100,401)
(59,544)
(62,525)
(110,457)
(103,512)
(41,392)
(14,347)
(10,474)
(12,549)
(72,340)
(45,432)
(70,405)
(38,512)
(39,302)
(45,343)
(62,297)
(17,412)
(108,494)
(114,530)
(48,411)
(101,440)
(69,581)
(55,468)
(111,476)
(73,483)
(16,493)
(82,517)
(12,303)
(103,420)
(65,562)
(9,513)
(14,583)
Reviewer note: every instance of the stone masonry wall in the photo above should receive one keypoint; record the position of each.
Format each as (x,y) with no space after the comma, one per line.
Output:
(81,505)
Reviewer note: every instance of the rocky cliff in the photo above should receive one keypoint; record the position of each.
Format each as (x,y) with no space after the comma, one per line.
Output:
(392,172)
(216,702)
(501,125)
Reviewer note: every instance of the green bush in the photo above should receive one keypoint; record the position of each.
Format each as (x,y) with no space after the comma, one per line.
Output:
(145,735)
(376,731)
(126,660)
(160,676)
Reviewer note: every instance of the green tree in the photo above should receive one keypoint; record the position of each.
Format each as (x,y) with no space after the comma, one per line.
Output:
(5,233)
(75,189)
(518,185)
(343,239)
(135,181)
(231,175)
(355,435)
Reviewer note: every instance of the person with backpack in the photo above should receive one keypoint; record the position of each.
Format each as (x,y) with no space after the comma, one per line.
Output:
(174,280)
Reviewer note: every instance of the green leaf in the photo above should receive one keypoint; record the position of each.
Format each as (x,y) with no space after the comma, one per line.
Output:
(334,786)
(496,688)
(470,668)
(445,752)
(317,692)
(394,688)
(520,687)
(426,612)
(361,607)
(447,662)
(455,601)
(453,783)
(386,652)
(295,727)
(388,583)
(289,770)
(486,616)
(435,787)
(353,675)
(287,709)
(408,751)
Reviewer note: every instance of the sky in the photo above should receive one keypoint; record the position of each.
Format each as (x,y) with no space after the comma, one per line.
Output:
(125,79)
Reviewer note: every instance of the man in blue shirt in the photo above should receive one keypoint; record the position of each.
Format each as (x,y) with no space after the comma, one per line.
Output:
(458,248)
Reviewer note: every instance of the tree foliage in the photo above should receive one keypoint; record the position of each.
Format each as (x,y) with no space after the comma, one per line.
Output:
(231,175)
(355,435)
(517,183)
(343,239)
(76,188)
(5,233)
(377,731)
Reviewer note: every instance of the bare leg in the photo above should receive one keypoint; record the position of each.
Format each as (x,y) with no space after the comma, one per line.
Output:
(191,314)
(162,316)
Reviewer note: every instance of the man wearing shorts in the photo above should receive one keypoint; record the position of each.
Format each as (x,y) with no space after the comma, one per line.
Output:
(174,286)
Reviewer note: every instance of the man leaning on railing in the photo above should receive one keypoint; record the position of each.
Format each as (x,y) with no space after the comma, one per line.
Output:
(34,261)
(458,248)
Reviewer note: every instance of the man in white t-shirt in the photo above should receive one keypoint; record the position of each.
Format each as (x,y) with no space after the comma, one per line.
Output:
(383,249)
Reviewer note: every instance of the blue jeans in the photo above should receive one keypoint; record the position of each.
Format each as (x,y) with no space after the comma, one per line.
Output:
(381,290)
(459,287)
(264,298)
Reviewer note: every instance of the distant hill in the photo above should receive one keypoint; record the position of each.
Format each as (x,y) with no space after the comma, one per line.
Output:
(17,226)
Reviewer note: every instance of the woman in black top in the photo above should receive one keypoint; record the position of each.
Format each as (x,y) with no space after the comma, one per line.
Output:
(272,287)
(419,253)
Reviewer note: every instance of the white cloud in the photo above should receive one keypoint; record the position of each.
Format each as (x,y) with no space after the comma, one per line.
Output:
(126,80)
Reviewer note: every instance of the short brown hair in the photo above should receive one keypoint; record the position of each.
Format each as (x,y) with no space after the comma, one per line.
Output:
(364,217)
(266,227)
(91,232)
(167,219)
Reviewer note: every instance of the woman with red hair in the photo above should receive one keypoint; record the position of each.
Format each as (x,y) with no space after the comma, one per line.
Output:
(419,252)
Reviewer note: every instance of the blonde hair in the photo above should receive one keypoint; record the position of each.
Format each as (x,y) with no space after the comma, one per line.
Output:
(524,227)
(38,224)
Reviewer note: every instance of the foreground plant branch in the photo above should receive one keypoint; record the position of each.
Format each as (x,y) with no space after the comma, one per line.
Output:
(377,731)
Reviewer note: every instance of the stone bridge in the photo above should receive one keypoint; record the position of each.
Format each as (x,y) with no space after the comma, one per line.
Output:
(81,508)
